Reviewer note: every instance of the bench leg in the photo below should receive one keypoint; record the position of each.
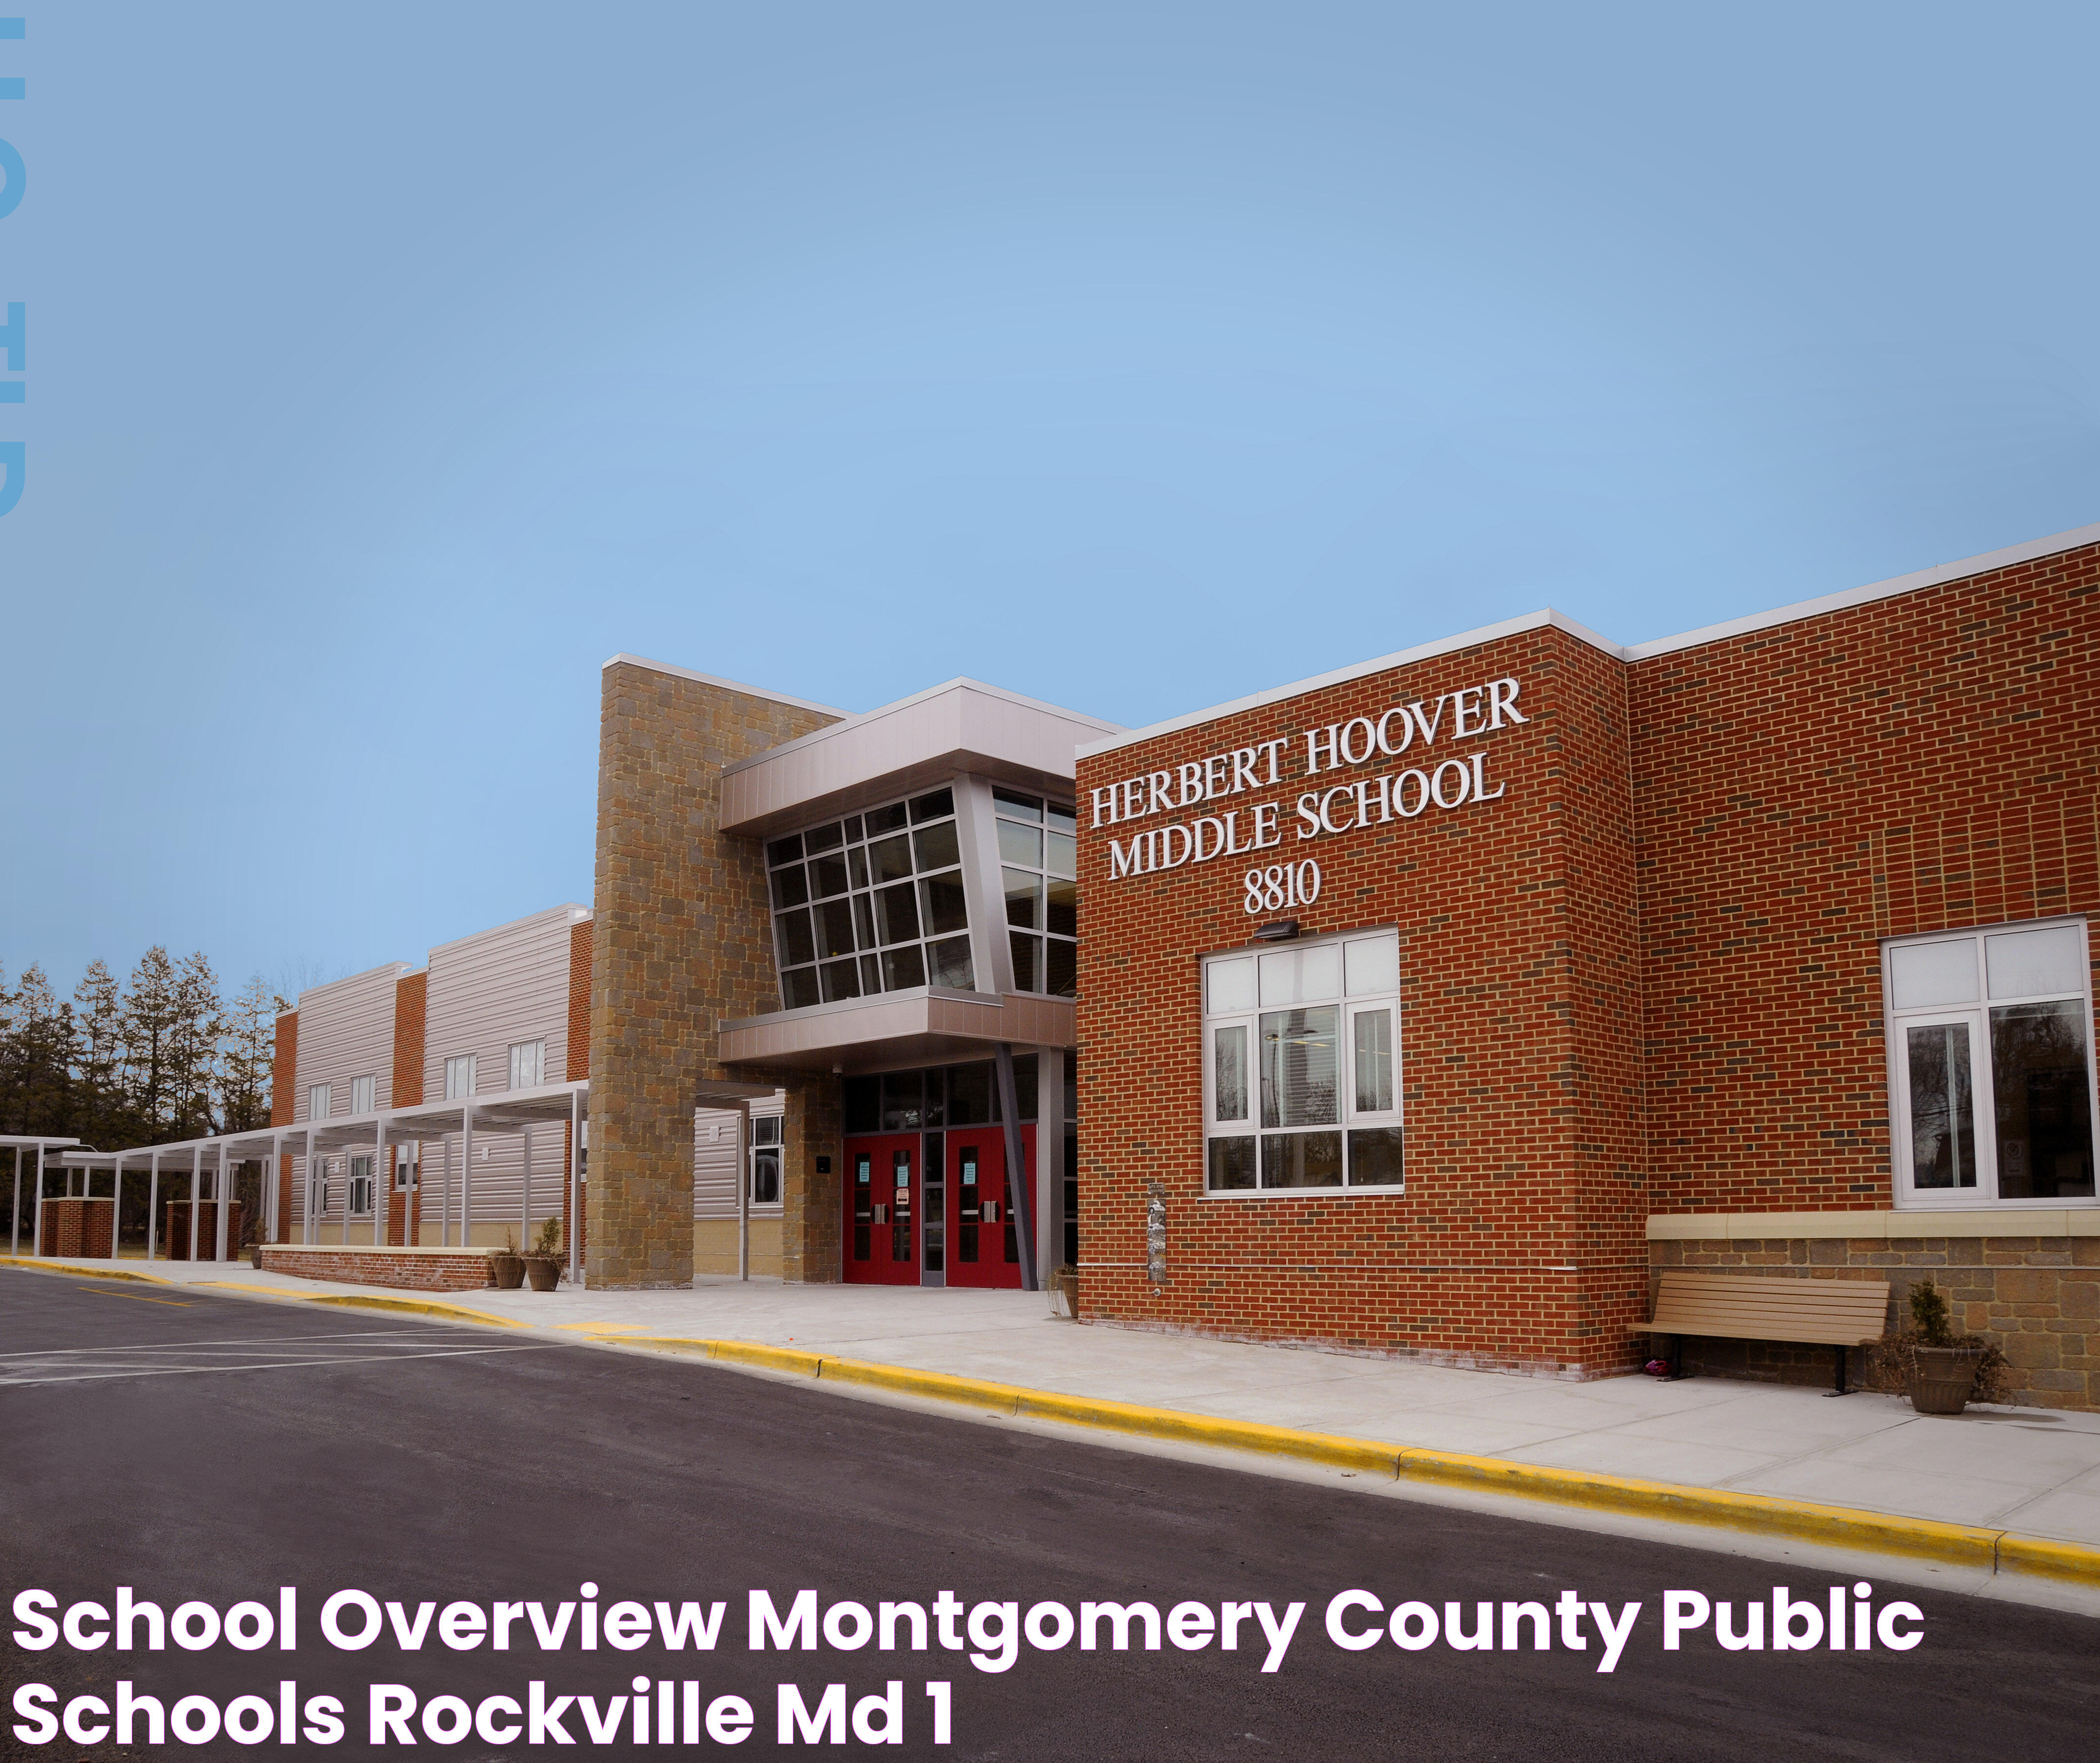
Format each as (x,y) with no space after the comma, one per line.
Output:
(1676,1358)
(1839,1389)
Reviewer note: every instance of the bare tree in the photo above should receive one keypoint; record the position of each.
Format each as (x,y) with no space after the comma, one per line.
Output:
(249,1057)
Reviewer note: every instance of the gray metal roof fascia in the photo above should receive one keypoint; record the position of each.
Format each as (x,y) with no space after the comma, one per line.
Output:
(567,907)
(733,685)
(1445,646)
(1710,633)
(1880,590)
(397,968)
(962,681)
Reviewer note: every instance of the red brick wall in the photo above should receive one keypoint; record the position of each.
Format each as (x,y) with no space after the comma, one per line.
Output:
(411,993)
(285,1069)
(1646,980)
(1922,763)
(175,1244)
(1518,1241)
(77,1230)
(580,975)
(459,1271)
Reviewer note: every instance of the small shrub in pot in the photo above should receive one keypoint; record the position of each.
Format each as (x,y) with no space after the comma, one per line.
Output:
(505,1265)
(543,1261)
(1942,1365)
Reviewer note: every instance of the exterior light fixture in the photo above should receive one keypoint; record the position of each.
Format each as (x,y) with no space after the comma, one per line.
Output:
(1281,932)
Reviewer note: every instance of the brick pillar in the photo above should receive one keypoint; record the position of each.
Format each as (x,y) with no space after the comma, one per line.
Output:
(681,940)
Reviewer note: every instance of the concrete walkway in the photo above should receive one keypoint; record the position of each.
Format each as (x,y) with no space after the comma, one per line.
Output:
(2033,1471)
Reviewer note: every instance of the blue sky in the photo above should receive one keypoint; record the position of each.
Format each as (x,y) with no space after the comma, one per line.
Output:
(389,368)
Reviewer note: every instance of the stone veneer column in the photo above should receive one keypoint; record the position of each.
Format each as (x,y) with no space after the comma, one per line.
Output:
(680,942)
(812,1203)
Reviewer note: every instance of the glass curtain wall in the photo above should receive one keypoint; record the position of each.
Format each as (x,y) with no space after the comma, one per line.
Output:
(871,903)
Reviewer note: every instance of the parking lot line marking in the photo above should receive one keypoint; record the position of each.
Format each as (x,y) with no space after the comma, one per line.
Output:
(136,1297)
(282,1364)
(411,1335)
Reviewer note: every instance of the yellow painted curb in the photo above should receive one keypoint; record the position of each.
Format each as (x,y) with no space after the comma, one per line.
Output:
(1357,1455)
(771,1358)
(2053,1560)
(978,1392)
(1836,1526)
(412,1307)
(38,1264)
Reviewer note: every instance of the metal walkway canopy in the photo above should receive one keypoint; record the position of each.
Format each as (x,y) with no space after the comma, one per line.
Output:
(207,1162)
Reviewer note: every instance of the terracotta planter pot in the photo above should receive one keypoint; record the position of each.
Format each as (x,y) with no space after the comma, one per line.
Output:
(544,1272)
(509,1270)
(1941,1378)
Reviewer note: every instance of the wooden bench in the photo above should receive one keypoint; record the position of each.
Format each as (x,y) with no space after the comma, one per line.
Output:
(1736,1306)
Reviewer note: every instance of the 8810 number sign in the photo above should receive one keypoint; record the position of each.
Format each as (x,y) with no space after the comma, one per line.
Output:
(1281,885)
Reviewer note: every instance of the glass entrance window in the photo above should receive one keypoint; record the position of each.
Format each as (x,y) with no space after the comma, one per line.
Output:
(1039,868)
(871,903)
(1301,1066)
(1991,1049)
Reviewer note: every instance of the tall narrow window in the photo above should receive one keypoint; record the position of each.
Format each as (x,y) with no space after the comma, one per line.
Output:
(1302,1076)
(1038,864)
(317,1101)
(528,1065)
(459,1077)
(1990,1037)
(360,1095)
(765,1148)
(360,1187)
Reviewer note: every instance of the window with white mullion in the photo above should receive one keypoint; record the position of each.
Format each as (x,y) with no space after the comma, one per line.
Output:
(1991,1065)
(1301,1067)
(1039,870)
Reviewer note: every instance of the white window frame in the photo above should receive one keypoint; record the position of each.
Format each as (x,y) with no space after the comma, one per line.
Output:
(778,1146)
(407,1167)
(1976,1017)
(459,1066)
(354,1183)
(362,1099)
(536,1062)
(1349,1115)
(317,1101)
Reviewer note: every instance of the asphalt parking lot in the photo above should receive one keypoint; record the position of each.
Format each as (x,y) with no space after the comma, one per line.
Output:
(197,1447)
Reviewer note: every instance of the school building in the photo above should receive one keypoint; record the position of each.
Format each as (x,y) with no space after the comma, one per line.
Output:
(1431,1006)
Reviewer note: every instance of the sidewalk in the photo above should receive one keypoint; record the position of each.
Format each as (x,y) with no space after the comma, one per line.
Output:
(2034,1472)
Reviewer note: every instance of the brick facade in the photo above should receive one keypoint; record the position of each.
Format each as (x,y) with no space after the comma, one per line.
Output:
(77,1230)
(682,940)
(1518,1244)
(1927,762)
(455,1270)
(1646,980)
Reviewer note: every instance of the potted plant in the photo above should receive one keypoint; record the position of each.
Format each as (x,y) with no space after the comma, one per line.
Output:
(505,1265)
(543,1262)
(1065,1291)
(1943,1368)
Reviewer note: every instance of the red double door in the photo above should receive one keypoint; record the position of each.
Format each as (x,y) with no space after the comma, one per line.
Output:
(933,1208)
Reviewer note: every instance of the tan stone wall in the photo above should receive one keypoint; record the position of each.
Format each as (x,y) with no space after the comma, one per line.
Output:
(2036,1297)
(680,941)
(812,1201)
(714,1247)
